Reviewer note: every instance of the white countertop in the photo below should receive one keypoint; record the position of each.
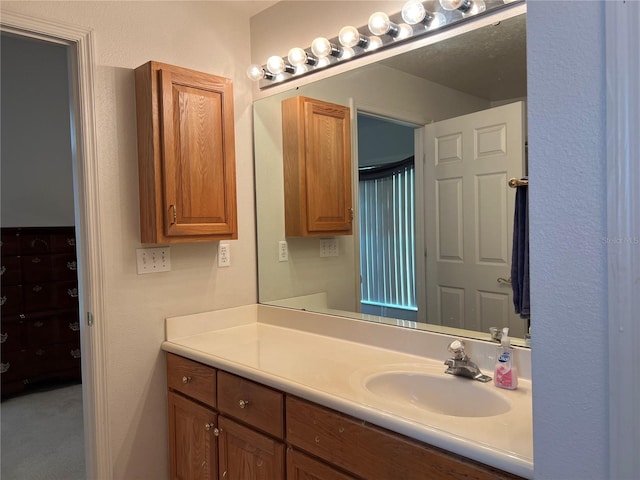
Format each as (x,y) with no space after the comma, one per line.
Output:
(306,355)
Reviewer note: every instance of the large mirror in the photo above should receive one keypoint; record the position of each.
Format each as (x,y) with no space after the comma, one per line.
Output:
(441,260)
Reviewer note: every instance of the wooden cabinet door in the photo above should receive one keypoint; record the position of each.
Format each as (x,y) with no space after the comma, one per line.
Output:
(248,455)
(303,467)
(186,155)
(192,441)
(317,167)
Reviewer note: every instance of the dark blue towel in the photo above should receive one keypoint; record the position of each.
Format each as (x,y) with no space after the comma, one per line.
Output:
(520,254)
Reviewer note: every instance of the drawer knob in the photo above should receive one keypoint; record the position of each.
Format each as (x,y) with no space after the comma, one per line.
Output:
(210,426)
(243,403)
(186,379)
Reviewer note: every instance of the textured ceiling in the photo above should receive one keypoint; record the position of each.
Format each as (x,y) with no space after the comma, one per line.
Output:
(489,62)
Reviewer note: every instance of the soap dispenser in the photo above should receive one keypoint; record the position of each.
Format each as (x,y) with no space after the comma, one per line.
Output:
(505,374)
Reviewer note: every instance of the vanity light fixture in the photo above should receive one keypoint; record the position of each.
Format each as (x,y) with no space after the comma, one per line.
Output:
(413,20)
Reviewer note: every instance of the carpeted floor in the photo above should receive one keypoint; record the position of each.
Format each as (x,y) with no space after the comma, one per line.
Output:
(42,435)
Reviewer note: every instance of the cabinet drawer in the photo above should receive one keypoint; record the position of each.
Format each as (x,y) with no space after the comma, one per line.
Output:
(192,378)
(372,452)
(303,467)
(49,268)
(11,300)
(10,271)
(255,404)
(34,241)
(50,296)
(39,362)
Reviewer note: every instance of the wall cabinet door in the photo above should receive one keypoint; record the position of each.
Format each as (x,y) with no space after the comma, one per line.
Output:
(316,141)
(193,442)
(186,155)
(248,455)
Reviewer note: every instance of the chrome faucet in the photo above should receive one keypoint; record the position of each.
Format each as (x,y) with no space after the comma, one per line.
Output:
(461,365)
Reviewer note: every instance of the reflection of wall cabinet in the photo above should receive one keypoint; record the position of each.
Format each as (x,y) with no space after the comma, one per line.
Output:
(316,141)
(40,331)
(243,423)
(186,155)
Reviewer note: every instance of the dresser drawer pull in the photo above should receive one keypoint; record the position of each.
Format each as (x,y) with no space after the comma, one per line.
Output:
(243,403)
(35,260)
(71,242)
(74,327)
(3,337)
(73,292)
(4,367)
(210,426)
(38,241)
(75,353)
(40,352)
(38,324)
(72,265)
(186,379)
(2,270)
(3,300)
(37,288)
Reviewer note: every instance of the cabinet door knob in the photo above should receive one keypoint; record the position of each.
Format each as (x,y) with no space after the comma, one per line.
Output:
(243,403)
(186,379)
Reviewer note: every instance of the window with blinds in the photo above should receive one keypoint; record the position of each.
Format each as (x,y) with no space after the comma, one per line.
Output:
(387,236)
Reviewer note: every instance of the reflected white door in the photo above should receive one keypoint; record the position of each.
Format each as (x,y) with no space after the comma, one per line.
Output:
(469,211)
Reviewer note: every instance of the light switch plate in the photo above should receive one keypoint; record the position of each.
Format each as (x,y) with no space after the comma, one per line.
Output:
(329,247)
(153,260)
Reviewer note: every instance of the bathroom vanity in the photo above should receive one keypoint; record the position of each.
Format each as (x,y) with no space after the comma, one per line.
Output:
(266,392)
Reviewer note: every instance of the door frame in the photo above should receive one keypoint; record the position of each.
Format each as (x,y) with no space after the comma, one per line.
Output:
(88,226)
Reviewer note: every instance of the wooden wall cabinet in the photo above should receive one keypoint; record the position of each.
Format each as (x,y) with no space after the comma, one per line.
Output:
(316,141)
(186,155)
(321,444)
(40,329)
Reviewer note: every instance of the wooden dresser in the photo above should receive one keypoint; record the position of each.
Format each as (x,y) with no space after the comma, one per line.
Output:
(40,329)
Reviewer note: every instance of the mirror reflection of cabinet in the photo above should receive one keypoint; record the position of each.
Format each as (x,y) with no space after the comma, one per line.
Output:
(186,155)
(316,140)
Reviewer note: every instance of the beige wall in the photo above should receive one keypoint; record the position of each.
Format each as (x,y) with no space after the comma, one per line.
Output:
(208,36)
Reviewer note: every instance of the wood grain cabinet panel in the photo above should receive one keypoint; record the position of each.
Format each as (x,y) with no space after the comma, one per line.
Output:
(316,141)
(186,155)
(252,403)
(248,455)
(191,378)
(371,452)
(193,445)
(304,467)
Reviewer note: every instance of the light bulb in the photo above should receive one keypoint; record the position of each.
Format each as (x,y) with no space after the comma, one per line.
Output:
(477,6)
(435,20)
(350,37)
(275,65)
(467,7)
(347,52)
(404,31)
(255,72)
(298,57)
(322,48)
(374,43)
(379,24)
(413,12)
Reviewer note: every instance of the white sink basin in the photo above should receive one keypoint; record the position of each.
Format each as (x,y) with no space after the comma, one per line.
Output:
(438,393)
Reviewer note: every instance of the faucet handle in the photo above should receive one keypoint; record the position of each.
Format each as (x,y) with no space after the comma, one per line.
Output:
(457,349)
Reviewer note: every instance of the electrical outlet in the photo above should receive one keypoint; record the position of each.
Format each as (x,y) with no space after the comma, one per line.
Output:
(153,260)
(224,255)
(283,251)
(329,247)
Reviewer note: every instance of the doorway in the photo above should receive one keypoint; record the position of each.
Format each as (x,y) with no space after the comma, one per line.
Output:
(41,351)
(88,228)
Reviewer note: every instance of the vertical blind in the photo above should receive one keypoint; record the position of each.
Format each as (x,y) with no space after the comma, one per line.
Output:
(387,235)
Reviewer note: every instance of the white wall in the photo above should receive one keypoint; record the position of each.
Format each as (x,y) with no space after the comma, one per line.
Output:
(37,176)
(208,36)
(566,93)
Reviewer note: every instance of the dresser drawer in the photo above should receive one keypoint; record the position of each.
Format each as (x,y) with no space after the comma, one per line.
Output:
(10,273)
(372,452)
(50,296)
(191,378)
(49,268)
(11,300)
(257,405)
